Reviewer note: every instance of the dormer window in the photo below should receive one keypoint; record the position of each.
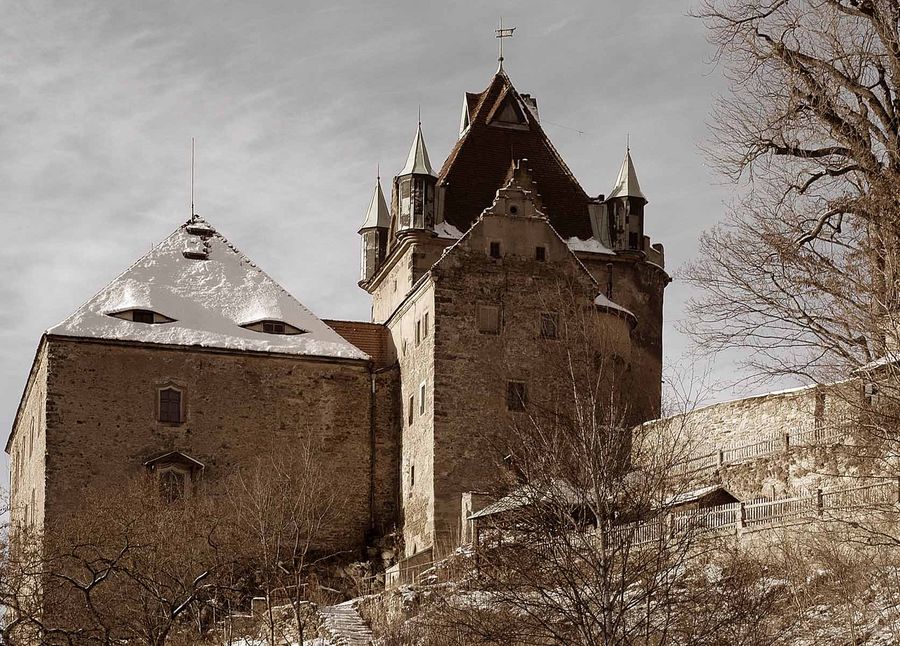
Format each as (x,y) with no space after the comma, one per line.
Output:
(148,317)
(178,474)
(272,326)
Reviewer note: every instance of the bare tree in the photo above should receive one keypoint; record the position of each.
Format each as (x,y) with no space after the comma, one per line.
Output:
(278,511)
(128,566)
(804,271)
(581,546)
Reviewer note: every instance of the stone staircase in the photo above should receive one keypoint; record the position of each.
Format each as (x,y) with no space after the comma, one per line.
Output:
(345,626)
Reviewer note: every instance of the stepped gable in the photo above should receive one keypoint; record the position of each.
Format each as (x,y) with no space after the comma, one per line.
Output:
(202,290)
(503,129)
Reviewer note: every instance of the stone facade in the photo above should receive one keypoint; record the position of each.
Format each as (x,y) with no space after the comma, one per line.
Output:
(102,423)
(27,447)
(454,376)
(775,445)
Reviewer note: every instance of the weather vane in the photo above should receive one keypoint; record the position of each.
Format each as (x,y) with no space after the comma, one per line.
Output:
(501,34)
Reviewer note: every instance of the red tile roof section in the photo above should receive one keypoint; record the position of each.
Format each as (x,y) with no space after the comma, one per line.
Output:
(371,338)
(481,159)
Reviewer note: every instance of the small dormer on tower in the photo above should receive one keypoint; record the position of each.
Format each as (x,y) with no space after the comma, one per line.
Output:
(374,232)
(414,190)
(626,208)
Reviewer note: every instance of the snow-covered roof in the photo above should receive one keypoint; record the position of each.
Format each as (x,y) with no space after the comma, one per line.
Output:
(627,182)
(446,230)
(591,244)
(695,495)
(606,303)
(556,491)
(378,215)
(417,162)
(890,359)
(210,293)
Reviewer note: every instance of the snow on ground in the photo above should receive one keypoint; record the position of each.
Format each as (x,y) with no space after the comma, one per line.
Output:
(209,299)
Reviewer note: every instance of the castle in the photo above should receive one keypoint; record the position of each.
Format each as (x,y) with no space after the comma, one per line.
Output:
(193,360)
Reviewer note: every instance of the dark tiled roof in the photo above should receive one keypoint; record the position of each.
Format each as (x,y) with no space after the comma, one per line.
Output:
(371,338)
(480,162)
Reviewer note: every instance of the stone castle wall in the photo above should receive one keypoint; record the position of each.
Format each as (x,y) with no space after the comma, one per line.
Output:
(414,341)
(103,422)
(637,286)
(774,445)
(472,368)
(28,448)
(386,457)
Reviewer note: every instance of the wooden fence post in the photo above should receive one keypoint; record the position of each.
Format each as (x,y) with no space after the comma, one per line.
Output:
(787,440)
(743,519)
(898,489)
(820,501)
(721,457)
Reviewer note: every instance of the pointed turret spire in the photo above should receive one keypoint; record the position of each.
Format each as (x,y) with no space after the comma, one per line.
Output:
(378,216)
(627,182)
(417,162)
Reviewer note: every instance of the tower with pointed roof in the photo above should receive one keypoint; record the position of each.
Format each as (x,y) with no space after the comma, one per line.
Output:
(413,190)
(460,288)
(626,208)
(374,233)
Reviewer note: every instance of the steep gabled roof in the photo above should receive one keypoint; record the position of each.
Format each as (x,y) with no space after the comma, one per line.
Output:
(210,292)
(480,161)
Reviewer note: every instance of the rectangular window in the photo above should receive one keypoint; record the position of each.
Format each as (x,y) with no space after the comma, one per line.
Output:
(412,477)
(549,325)
(273,327)
(495,250)
(422,398)
(516,397)
(142,316)
(634,240)
(425,326)
(488,319)
(540,254)
(418,332)
(170,405)
(411,408)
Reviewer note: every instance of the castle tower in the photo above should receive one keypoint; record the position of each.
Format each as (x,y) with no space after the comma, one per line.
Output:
(374,232)
(475,255)
(414,189)
(626,209)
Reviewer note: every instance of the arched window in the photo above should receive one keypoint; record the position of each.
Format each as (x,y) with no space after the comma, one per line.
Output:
(177,474)
(172,482)
(170,405)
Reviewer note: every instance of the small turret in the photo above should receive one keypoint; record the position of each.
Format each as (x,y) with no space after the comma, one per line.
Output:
(374,232)
(414,190)
(626,208)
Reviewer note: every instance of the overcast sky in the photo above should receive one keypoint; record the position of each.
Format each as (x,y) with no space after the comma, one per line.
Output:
(292,105)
